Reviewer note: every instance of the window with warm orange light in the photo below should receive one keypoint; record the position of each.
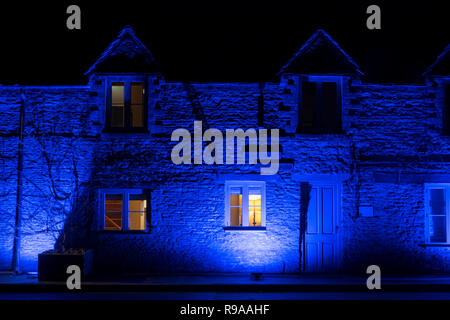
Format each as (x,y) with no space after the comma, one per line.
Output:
(254,209)
(113,212)
(124,209)
(137,104)
(245,204)
(137,207)
(236,207)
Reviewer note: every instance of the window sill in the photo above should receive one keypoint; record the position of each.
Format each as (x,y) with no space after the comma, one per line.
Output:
(424,245)
(244,228)
(125,130)
(124,231)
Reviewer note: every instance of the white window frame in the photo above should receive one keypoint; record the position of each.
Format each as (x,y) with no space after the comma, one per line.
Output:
(125,215)
(427,188)
(245,185)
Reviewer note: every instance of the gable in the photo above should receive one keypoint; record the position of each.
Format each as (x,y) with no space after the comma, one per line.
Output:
(440,67)
(321,55)
(126,54)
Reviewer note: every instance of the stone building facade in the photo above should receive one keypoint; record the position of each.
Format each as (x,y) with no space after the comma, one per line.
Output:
(363,175)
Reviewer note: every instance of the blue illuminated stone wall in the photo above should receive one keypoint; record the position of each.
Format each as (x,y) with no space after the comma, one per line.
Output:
(392,144)
(8,167)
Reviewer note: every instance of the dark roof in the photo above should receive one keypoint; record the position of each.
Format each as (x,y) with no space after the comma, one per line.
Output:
(126,54)
(440,67)
(321,55)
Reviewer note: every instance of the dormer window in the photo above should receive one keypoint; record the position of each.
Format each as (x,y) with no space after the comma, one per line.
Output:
(446,107)
(319,107)
(126,108)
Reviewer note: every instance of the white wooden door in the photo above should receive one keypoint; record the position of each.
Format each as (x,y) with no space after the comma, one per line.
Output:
(322,241)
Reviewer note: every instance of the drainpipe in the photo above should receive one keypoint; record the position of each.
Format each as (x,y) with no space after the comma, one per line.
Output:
(15,264)
(261,105)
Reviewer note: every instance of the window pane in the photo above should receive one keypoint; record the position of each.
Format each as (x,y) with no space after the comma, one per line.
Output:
(137,208)
(117,104)
(117,94)
(437,229)
(447,108)
(236,200)
(137,113)
(117,116)
(437,201)
(236,206)
(330,106)
(113,212)
(137,93)
(309,104)
(137,104)
(235,216)
(254,207)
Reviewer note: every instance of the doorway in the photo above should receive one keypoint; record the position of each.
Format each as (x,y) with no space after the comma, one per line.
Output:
(322,242)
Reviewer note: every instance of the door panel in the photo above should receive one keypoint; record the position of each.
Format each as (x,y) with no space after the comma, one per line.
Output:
(328,256)
(321,232)
(312,253)
(313,219)
(327,211)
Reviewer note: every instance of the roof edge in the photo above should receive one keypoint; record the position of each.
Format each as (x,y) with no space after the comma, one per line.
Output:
(127,30)
(438,59)
(314,37)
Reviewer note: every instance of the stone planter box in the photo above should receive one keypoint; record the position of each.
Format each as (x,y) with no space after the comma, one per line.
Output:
(52,265)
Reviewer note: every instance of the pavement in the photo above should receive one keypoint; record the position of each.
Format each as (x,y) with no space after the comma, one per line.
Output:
(226,287)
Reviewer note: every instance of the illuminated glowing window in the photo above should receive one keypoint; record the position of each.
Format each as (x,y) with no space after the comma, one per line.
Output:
(437,202)
(113,211)
(137,208)
(117,104)
(137,104)
(245,204)
(126,109)
(124,209)
(236,207)
(254,207)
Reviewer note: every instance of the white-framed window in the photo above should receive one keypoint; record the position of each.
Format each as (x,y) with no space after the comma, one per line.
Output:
(437,212)
(123,209)
(245,204)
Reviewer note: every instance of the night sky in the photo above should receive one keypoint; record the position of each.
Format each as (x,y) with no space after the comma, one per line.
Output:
(218,41)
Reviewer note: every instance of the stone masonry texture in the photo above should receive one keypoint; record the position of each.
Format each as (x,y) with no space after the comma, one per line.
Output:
(391,144)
